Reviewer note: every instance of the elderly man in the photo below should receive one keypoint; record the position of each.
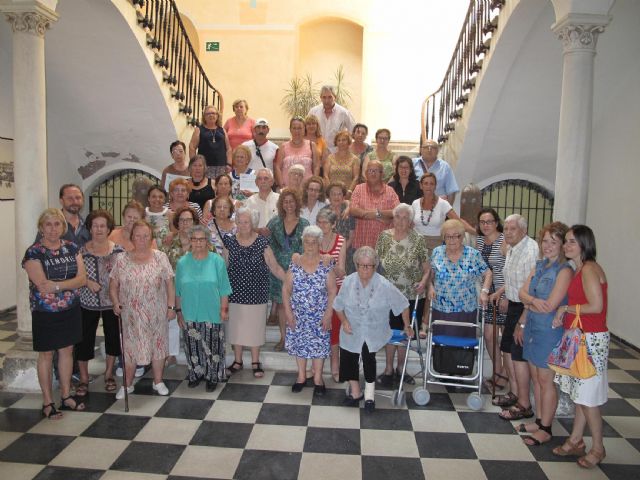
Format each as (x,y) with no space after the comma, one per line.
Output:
(263,150)
(521,256)
(332,117)
(372,205)
(265,201)
(428,161)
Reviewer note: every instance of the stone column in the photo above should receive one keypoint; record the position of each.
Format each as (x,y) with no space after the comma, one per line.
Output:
(579,35)
(29,21)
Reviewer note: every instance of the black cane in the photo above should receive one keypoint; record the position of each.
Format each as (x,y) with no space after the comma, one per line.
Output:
(124,367)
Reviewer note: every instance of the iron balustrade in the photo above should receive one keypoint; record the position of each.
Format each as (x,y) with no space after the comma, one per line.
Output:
(174,53)
(443,108)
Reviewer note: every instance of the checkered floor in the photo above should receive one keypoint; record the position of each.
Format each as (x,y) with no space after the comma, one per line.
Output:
(259,429)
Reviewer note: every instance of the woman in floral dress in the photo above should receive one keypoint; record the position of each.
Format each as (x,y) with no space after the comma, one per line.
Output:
(308,292)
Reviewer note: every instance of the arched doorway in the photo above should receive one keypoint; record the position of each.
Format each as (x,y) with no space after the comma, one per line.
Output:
(114,192)
(326,43)
(532,201)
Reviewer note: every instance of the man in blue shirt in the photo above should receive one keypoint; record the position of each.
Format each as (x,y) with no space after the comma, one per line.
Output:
(428,161)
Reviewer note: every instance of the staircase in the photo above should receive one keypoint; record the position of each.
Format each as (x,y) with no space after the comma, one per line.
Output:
(443,109)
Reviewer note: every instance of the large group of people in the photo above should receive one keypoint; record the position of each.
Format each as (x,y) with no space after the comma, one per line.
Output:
(344,239)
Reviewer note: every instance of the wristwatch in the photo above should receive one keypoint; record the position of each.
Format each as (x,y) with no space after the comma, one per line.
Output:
(57,287)
(485,290)
(521,324)
(171,307)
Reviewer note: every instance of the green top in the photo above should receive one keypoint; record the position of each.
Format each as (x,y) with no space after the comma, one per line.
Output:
(201,284)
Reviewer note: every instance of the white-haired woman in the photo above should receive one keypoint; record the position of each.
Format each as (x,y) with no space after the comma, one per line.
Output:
(363,305)
(307,294)
(250,261)
(202,304)
(405,263)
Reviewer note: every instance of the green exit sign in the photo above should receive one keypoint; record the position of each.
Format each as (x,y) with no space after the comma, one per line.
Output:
(213,46)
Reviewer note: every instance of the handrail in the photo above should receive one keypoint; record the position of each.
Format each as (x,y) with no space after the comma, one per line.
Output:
(443,108)
(167,36)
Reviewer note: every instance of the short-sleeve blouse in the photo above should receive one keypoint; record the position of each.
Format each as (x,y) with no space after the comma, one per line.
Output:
(58,265)
(248,271)
(402,261)
(98,268)
(455,283)
(429,222)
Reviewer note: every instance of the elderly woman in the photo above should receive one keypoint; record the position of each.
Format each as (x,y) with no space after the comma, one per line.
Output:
(404,181)
(143,294)
(342,166)
(179,167)
(131,213)
(405,263)
(314,135)
(588,292)
(296,151)
(202,303)
(431,211)
(456,269)
(222,222)
(250,260)
(211,140)
(382,153)
(336,194)
(363,305)
(179,190)
(201,185)
(308,293)
(239,128)
(490,244)
(542,293)
(158,216)
(56,271)
(241,158)
(312,199)
(285,239)
(295,178)
(98,254)
(223,186)
(333,244)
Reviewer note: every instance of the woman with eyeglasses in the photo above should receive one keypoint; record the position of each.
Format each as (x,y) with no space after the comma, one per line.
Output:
(179,190)
(359,147)
(382,154)
(312,199)
(211,140)
(222,222)
(456,270)
(202,304)
(363,306)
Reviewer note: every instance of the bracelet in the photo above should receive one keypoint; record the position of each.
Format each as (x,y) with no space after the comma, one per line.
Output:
(484,290)
(57,287)
(521,324)
(178,310)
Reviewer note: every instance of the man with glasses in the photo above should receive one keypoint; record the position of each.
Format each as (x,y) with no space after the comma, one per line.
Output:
(331,116)
(263,150)
(265,201)
(372,205)
(428,161)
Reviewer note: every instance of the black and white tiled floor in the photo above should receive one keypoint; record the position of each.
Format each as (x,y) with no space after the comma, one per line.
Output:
(259,429)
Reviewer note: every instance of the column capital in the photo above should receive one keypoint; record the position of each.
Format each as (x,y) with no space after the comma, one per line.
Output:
(29,17)
(579,32)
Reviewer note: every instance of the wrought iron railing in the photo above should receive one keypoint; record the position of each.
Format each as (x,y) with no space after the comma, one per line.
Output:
(182,70)
(442,109)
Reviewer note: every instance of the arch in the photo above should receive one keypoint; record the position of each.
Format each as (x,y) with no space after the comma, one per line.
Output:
(326,43)
(192,33)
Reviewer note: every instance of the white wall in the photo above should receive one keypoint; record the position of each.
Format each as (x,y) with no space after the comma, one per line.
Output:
(615,165)
(7,241)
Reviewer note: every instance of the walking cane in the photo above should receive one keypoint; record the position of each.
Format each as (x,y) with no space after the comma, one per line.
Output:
(124,367)
(495,352)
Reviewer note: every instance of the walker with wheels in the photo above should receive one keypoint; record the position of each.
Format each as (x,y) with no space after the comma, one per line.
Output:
(458,363)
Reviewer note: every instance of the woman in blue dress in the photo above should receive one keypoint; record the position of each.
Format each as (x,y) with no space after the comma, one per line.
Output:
(307,295)
(544,291)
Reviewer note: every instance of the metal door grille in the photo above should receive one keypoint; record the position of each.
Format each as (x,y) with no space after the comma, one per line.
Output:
(114,193)
(533,202)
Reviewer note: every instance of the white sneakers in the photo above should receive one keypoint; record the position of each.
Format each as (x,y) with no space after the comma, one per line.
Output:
(138,374)
(160,389)
(120,394)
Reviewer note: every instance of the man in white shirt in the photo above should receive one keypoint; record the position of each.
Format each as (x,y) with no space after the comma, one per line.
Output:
(331,116)
(265,201)
(521,258)
(263,151)
(428,161)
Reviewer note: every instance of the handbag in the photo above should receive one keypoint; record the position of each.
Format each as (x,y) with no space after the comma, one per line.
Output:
(571,356)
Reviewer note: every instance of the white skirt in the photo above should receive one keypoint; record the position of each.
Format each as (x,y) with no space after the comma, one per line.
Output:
(590,392)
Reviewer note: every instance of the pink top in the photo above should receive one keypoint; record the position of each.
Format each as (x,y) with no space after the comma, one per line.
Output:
(293,155)
(239,134)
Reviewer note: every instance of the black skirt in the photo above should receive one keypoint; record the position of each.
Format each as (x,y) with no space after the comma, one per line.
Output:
(54,330)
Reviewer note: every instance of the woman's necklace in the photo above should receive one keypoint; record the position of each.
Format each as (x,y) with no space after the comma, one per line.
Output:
(430,214)
(326,246)
(363,306)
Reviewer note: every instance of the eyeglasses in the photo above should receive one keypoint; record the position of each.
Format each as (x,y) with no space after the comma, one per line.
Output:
(487,222)
(185,220)
(452,237)
(311,189)
(380,139)
(374,170)
(210,113)
(198,239)
(366,266)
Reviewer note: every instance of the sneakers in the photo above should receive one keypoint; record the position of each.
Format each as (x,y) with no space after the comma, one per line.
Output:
(160,389)
(120,394)
(119,372)
(138,374)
